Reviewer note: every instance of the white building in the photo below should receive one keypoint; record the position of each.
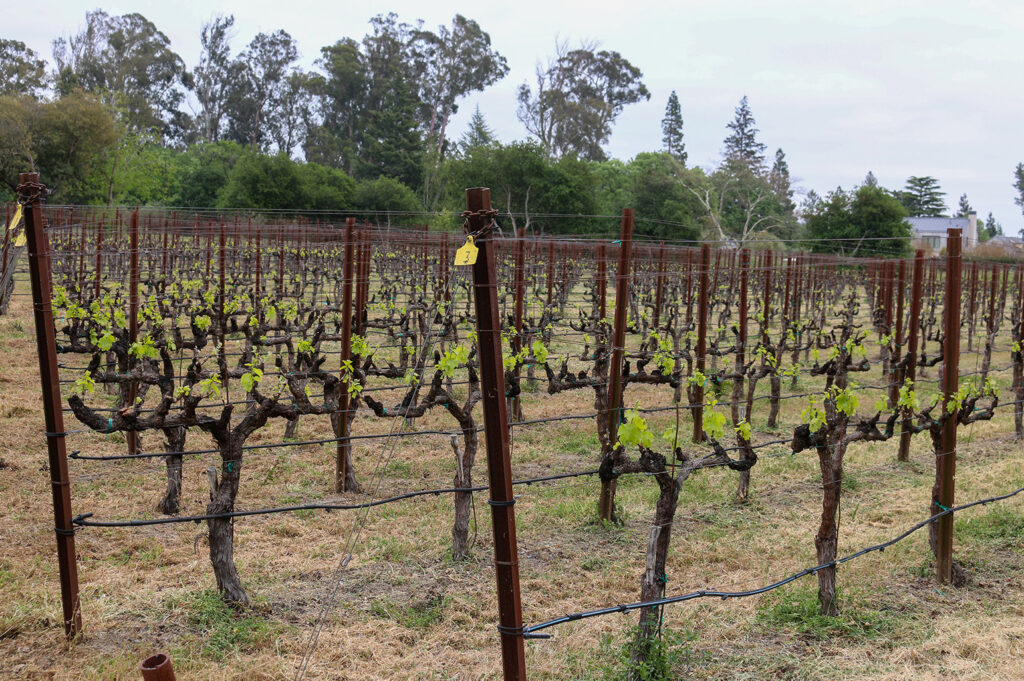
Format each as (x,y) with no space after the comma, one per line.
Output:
(932,231)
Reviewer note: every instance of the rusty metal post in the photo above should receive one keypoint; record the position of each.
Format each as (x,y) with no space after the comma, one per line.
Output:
(30,193)
(972,307)
(344,445)
(81,257)
(946,473)
(913,327)
(157,668)
(164,252)
(741,344)
(132,436)
(606,505)
(480,218)
(520,297)
(99,258)
(767,308)
(551,271)
(280,260)
(702,342)
(221,319)
(259,264)
(894,373)
(363,277)
(689,286)
(659,286)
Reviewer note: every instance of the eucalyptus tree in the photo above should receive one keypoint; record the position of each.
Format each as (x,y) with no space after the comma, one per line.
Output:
(130,64)
(578,97)
(22,72)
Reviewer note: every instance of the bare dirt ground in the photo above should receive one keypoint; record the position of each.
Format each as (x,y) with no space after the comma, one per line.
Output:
(407,611)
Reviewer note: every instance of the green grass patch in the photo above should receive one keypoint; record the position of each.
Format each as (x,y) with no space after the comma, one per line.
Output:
(221,630)
(1001,525)
(662,658)
(418,615)
(798,610)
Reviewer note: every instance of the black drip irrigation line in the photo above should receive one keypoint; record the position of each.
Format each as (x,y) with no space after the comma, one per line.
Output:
(530,631)
(82,519)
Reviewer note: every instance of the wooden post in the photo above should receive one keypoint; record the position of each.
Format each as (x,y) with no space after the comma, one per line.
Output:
(946,473)
(30,193)
(480,218)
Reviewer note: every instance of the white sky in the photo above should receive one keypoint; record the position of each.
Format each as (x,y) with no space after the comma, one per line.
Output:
(931,87)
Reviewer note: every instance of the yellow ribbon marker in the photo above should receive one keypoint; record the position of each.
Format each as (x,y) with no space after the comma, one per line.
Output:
(15,220)
(20,240)
(466,255)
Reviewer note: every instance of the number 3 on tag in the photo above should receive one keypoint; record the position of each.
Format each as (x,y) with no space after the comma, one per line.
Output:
(466,255)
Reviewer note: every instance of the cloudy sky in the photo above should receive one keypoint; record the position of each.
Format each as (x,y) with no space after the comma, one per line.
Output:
(931,87)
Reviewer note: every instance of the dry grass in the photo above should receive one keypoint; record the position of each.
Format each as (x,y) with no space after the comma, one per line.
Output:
(406,611)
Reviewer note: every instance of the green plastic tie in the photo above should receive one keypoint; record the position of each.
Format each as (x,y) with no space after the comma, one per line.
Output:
(944,508)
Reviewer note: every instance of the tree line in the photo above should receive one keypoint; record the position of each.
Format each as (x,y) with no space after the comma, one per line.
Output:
(119,118)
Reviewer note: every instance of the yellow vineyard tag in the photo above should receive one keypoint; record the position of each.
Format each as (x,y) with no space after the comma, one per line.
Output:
(467,254)
(20,241)
(15,220)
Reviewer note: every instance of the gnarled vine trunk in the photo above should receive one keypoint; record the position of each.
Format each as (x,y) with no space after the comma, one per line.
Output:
(464,459)
(826,541)
(222,530)
(171,502)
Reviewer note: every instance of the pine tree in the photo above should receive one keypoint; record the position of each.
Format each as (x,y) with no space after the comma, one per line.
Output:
(812,203)
(1018,184)
(779,180)
(922,197)
(989,228)
(672,129)
(478,134)
(963,207)
(870,180)
(741,146)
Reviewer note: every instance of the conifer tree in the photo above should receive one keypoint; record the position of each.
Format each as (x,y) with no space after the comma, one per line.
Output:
(741,146)
(779,181)
(922,197)
(478,133)
(1018,184)
(672,129)
(964,207)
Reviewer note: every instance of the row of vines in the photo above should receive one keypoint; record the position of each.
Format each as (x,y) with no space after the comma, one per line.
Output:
(206,340)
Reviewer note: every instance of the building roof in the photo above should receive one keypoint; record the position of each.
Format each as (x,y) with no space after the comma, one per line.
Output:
(937,225)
